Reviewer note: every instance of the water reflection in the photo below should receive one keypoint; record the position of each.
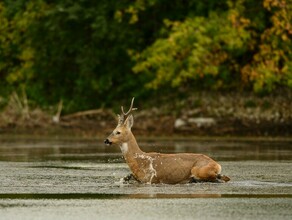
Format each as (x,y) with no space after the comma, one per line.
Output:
(84,196)
(105,196)
(25,149)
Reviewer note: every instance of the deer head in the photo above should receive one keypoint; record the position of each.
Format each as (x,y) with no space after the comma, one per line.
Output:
(125,122)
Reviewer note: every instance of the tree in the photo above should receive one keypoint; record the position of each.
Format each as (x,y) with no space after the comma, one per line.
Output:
(87,52)
(225,49)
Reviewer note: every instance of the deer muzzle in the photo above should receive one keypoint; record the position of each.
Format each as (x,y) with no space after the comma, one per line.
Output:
(107,142)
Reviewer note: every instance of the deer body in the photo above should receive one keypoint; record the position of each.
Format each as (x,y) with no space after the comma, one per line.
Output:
(162,168)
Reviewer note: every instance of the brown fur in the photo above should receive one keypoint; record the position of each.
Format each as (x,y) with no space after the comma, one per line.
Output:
(163,168)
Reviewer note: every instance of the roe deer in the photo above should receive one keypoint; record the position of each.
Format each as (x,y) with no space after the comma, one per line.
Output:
(161,168)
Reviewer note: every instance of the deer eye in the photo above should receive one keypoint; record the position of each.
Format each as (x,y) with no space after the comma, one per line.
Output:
(118,132)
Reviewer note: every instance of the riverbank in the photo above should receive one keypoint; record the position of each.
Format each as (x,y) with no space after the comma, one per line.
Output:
(198,115)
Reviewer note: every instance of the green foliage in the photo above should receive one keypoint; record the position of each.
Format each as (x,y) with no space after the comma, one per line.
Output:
(211,51)
(272,60)
(198,49)
(87,52)
(69,50)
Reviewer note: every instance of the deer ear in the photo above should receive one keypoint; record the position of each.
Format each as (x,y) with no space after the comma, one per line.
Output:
(129,121)
(120,119)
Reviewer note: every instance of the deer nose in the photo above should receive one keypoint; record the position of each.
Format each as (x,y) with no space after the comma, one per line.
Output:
(107,142)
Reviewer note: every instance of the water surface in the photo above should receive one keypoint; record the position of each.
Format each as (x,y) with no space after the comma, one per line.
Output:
(82,177)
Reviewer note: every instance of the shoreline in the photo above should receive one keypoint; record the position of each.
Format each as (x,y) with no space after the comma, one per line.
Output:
(202,114)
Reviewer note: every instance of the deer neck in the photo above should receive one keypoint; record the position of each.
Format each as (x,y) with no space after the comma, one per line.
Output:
(131,152)
(130,148)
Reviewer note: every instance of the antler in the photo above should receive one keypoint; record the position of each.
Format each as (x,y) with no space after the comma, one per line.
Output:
(122,116)
(130,109)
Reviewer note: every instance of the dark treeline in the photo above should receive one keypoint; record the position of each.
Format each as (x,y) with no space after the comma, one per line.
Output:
(88,53)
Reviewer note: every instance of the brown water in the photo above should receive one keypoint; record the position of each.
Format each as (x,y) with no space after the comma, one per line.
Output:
(43,178)
(29,149)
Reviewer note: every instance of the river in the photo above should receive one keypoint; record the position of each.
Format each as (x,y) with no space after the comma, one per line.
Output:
(79,178)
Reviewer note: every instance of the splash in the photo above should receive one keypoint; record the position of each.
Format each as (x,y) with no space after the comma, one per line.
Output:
(150,172)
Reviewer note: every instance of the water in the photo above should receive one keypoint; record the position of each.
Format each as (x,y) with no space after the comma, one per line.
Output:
(71,178)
